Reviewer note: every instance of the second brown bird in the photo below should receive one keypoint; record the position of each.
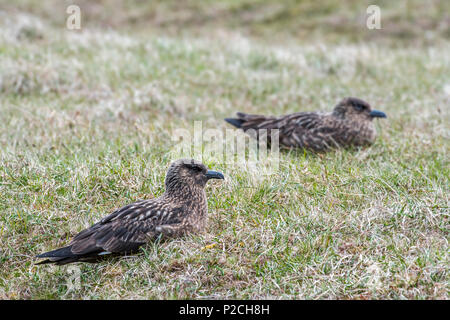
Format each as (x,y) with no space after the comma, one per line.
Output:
(349,124)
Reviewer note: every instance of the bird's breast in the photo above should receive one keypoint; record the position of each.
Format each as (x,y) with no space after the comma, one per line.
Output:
(194,212)
(356,132)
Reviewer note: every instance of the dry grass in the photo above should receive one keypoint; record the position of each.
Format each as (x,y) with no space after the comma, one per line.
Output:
(87,119)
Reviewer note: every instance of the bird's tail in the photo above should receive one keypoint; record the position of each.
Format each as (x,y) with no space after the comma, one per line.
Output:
(235,122)
(251,121)
(58,256)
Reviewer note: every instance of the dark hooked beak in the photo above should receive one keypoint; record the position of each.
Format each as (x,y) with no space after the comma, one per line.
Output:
(214,175)
(377,114)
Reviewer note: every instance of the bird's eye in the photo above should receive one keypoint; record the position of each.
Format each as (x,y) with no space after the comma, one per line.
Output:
(197,169)
(359,107)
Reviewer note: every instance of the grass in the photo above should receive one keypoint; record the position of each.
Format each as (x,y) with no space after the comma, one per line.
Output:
(87,123)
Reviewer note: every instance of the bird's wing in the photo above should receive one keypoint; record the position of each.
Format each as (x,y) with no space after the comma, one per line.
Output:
(124,230)
(317,131)
(301,129)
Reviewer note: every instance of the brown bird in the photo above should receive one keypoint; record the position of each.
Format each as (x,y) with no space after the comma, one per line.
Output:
(181,209)
(350,124)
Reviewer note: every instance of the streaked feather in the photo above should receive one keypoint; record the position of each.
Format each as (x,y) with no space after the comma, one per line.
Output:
(316,131)
(181,209)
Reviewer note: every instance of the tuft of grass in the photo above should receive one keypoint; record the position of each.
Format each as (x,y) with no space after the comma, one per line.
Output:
(87,123)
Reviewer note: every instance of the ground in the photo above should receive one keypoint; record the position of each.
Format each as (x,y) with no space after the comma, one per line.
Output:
(87,124)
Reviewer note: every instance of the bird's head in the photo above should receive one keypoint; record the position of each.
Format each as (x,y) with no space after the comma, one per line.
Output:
(357,110)
(189,173)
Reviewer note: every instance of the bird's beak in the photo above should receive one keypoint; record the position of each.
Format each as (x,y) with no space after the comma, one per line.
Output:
(214,175)
(377,114)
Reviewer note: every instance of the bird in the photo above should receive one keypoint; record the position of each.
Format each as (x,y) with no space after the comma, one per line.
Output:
(349,124)
(181,209)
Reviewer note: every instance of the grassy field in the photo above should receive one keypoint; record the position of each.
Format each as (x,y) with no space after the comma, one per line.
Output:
(87,119)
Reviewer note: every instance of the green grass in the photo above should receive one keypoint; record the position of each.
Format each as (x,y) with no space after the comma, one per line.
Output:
(87,122)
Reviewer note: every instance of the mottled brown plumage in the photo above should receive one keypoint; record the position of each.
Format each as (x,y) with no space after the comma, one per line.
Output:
(181,209)
(349,124)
